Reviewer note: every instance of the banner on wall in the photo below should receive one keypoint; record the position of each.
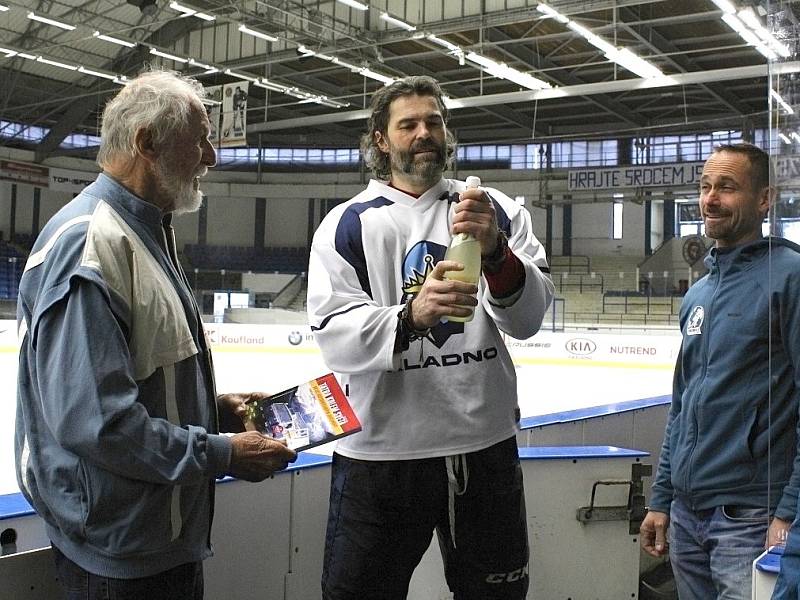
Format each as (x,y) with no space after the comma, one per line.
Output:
(214,112)
(642,176)
(20,172)
(596,349)
(234,114)
(67,180)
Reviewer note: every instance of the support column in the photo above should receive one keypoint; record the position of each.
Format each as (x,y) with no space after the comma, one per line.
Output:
(259,231)
(37,203)
(12,217)
(548,239)
(202,223)
(669,217)
(311,222)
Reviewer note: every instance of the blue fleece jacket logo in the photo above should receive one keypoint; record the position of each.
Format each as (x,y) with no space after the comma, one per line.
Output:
(695,326)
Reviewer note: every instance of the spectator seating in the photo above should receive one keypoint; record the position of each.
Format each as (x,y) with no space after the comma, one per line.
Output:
(12,263)
(283,259)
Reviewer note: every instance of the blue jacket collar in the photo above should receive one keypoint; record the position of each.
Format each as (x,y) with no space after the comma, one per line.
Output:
(113,192)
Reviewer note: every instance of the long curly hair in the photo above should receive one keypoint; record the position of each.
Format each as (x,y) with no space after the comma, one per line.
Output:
(416,85)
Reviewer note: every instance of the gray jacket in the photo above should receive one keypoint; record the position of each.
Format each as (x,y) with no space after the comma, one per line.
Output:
(116,433)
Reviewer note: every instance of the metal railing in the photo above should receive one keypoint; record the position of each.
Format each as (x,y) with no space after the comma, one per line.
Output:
(641,303)
(571,263)
(592,281)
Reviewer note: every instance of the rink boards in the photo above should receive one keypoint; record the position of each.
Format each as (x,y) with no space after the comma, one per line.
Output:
(584,399)
(557,372)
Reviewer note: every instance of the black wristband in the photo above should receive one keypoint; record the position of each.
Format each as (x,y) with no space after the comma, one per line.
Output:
(406,332)
(408,322)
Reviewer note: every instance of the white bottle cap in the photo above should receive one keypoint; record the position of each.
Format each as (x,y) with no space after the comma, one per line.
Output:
(473,182)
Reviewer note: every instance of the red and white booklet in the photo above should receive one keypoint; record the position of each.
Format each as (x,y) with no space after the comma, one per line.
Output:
(307,415)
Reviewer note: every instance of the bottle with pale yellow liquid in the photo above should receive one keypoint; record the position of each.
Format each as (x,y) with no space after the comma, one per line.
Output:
(465,249)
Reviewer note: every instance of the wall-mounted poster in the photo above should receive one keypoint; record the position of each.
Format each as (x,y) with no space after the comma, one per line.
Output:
(214,112)
(234,114)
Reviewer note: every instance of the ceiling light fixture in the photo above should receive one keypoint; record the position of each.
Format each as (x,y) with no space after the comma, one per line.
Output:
(390,19)
(109,76)
(385,79)
(258,34)
(725,6)
(56,63)
(635,64)
(442,42)
(10,53)
(592,38)
(749,27)
(503,71)
(552,13)
(785,139)
(240,75)
(306,52)
(325,101)
(168,56)
(354,4)
(346,65)
(191,12)
(113,40)
(779,99)
(624,57)
(49,21)
(209,68)
(275,87)
(454,50)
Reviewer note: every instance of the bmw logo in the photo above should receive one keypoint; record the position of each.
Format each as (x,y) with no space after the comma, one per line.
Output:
(295,338)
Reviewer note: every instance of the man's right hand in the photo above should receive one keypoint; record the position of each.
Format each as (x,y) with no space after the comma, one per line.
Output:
(440,297)
(653,533)
(255,456)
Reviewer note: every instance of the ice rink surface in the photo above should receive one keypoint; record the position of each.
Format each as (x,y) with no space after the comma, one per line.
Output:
(556,372)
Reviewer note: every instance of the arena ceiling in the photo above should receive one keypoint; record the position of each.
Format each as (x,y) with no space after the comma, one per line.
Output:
(332,52)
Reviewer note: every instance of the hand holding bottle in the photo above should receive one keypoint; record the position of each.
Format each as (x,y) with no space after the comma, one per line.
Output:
(439,297)
(475,214)
(465,248)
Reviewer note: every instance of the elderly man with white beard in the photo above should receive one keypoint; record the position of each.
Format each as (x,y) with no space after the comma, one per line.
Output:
(117,434)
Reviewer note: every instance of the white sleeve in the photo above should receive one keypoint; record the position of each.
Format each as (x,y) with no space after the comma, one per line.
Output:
(522,318)
(354,332)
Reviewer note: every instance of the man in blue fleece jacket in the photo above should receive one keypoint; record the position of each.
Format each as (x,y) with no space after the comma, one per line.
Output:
(727,481)
(117,437)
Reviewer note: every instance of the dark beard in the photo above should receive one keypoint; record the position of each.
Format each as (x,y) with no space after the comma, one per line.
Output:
(428,170)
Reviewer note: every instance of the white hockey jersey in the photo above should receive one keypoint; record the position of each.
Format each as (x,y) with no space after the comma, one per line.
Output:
(452,393)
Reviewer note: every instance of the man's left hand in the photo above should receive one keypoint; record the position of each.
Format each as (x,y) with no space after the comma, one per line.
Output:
(777,532)
(475,214)
(236,403)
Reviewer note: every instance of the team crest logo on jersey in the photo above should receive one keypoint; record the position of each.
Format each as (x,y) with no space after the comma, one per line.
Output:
(417,265)
(695,326)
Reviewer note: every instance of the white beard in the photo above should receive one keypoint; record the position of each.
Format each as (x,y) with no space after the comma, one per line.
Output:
(185,199)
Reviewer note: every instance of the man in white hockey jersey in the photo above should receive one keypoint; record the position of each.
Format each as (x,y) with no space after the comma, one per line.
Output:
(437,399)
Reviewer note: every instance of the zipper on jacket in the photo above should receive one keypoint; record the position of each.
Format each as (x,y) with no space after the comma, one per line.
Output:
(699,388)
(172,253)
(173,256)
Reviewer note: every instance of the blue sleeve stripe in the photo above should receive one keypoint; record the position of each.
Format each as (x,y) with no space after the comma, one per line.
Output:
(336,314)
(503,222)
(349,242)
